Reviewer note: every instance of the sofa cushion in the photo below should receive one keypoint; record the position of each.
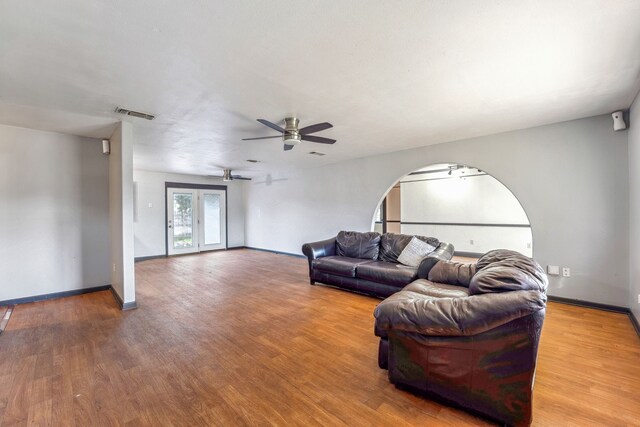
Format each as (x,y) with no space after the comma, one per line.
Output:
(387,272)
(452,273)
(392,245)
(413,253)
(412,312)
(437,290)
(354,244)
(504,270)
(338,265)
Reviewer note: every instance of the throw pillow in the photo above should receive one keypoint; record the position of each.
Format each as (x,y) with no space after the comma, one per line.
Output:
(413,253)
(392,245)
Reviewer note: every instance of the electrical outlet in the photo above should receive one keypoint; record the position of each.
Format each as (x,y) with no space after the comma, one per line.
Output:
(528,245)
(150,204)
(114,268)
(566,271)
(471,241)
(553,270)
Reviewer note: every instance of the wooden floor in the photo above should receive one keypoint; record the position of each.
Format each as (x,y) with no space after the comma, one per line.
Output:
(241,338)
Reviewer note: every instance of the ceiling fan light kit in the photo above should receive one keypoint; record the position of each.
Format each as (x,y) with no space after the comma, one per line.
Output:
(292,135)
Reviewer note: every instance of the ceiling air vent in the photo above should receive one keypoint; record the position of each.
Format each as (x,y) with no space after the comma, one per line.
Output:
(315,153)
(253,161)
(138,114)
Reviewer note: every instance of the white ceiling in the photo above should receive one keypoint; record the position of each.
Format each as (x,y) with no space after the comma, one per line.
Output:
(388,75)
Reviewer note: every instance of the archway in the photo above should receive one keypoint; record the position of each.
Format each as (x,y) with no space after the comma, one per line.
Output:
(458,204)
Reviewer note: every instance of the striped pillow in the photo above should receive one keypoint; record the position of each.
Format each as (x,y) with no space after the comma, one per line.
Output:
(413,253)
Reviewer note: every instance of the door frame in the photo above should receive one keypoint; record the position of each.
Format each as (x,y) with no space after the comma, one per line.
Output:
(194,247)
(202,222)
(168,185)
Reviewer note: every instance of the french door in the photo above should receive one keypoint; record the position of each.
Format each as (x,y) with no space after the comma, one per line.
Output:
(196,220)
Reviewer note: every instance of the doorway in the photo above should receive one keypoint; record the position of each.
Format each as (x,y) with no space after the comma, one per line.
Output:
(196,218)
(459,204)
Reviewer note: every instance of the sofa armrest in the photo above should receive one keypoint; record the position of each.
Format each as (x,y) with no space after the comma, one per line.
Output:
(319,249)
(416,313)
(316,250)
(444,252)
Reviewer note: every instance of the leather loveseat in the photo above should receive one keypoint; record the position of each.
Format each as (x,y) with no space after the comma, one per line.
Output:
(368,262)
(469,334)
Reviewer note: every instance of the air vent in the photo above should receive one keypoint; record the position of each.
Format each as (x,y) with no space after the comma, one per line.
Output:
(315,153)
(253,161)
(138,114)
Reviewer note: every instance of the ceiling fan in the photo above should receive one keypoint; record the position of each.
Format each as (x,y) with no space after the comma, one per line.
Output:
(292,136)
(227,176)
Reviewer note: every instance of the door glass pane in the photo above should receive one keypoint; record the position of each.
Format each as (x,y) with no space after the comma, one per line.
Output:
(182,220)
(212,219)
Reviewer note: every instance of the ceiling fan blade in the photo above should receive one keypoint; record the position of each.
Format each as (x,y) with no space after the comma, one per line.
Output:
(319,139)
(262,137)
(315,128)
(240,177)
(288,147)
(271,125)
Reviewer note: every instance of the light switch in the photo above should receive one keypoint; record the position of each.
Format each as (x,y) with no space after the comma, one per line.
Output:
(553,270)
(150,204)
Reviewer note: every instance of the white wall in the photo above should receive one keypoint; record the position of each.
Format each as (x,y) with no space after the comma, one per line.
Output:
(634,207)
(477,240)
(54,213)
(121,214)
(479,199)
(150,222)
(579,217)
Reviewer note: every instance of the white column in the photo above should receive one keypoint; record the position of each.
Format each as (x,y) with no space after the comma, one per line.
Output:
(121,215)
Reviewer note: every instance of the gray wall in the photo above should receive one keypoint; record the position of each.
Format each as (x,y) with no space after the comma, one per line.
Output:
(150,222)
(54,213)
(634,207)
(571,179)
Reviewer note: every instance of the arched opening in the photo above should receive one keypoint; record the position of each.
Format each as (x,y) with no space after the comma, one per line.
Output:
(459,204)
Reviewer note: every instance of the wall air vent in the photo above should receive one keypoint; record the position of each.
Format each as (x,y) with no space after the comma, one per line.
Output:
(132,113)
(315,153)
(253,161)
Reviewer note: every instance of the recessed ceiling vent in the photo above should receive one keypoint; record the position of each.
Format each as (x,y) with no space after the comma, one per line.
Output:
(138,114)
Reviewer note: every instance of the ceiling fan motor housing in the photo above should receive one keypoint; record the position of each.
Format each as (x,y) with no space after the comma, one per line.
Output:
(291,135)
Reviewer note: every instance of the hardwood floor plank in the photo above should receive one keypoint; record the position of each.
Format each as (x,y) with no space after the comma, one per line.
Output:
(241,338)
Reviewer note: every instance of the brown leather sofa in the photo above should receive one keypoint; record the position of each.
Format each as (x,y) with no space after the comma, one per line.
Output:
(469,334)
(368,262)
